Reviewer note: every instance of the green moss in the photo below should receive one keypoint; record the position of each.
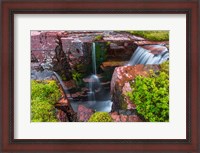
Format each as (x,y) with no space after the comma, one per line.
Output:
(44,94)
(152,35)
(98,37)
(108,43)
(100,117)
(151,95)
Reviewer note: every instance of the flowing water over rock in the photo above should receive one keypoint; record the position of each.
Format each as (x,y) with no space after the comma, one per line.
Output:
(94,65)
(80,49)
(144,56)
(41,75)
(94,86)
(64,88)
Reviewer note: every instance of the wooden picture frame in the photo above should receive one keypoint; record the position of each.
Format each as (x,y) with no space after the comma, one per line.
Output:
(10,7)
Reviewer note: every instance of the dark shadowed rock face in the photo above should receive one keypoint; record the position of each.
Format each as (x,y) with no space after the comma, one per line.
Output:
(120,84)
(65,112)
(83,113)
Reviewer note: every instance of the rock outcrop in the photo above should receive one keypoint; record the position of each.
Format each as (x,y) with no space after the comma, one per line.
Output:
(124,117)
(120,84)
(65,112)
(63,51)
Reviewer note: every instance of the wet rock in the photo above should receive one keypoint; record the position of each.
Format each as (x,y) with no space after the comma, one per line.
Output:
(155,49)
(121,51)
(41,75)
(83,113)
(61,116)
(64,106)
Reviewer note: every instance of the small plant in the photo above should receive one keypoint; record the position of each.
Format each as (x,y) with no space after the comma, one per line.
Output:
(98,37)
(44,94)
(100,117)
(108,43)
(77,77)
(151,95)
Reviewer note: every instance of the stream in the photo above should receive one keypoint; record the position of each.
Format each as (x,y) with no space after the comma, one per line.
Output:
(98,96)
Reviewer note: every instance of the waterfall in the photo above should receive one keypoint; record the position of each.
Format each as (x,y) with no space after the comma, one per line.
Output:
(94,86)
(94,82)
(143,56)
(64,88)
(94,59)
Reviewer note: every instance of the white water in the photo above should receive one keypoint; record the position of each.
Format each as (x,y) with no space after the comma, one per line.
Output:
(94,59)
(64,88)
(94,86)
(143,56)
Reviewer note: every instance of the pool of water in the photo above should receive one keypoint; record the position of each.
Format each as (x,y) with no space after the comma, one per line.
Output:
(99,106)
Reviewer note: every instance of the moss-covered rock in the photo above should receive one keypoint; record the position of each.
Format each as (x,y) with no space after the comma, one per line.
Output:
(100,117)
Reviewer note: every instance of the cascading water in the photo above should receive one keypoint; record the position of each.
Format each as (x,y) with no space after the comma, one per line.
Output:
(64,88)
(143,56)
(94,65)
(94,86)
(94,82)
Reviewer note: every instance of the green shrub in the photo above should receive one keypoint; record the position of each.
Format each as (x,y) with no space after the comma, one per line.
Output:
(44,94)
(151,95)
(100,117)
(152,35)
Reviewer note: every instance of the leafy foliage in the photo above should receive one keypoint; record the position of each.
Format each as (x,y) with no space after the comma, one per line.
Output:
(152,35)
(77,77)
(151,95)
(44,94)
(100,117)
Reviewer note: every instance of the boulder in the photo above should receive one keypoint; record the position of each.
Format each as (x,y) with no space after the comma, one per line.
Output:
(83,113)
(120,84)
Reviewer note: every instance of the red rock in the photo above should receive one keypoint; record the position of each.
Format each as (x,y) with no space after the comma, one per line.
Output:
(123,118)
(134,118)
(83,113)
(120,84)
(147,42)
(155,49)
(61,116)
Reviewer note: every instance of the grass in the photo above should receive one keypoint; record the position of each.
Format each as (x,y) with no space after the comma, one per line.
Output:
(152,35)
